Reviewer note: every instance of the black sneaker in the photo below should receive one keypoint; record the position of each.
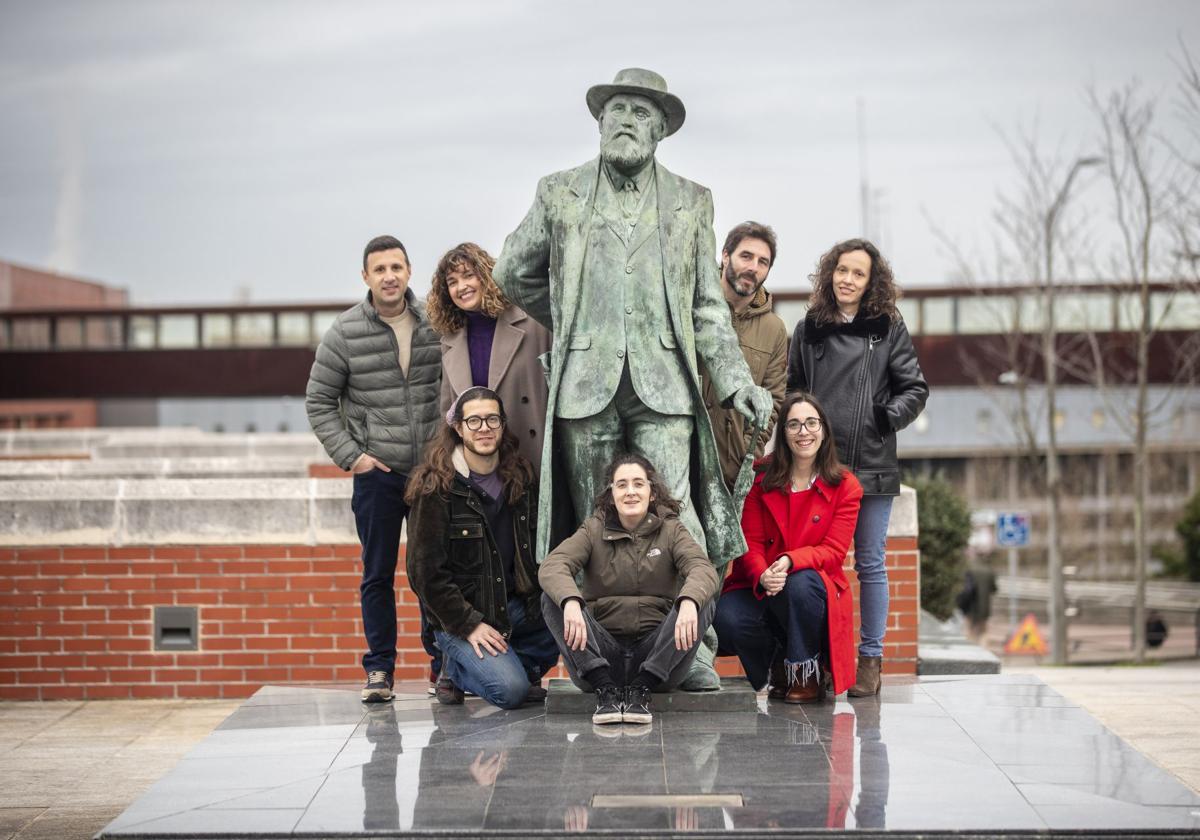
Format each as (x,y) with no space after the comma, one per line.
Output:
(433,678)
(378,688)
(637,704)
(536,694)
(608,705)
(447,693)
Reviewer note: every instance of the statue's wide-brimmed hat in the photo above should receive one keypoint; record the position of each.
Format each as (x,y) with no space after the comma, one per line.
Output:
(640,82)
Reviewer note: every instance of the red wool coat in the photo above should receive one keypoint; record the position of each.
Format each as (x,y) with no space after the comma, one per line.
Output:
(817,535)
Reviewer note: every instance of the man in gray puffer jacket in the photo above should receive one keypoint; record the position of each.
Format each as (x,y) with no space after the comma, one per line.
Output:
(372,400)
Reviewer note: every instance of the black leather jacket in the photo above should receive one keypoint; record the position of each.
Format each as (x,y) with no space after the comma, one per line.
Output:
(868,379)
(454,566)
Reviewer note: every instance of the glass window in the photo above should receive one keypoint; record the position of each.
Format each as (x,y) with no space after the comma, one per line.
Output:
(253,329)
(293,329)
(142,329)
(322,321)
(103,332)
(986,314)
(177,332)
(910,312)
(217,329)
(68,333)
(1032,312)
(1129,311)
(31,333)
(790,311)
(1175,310)
(937,317)
(1083,311)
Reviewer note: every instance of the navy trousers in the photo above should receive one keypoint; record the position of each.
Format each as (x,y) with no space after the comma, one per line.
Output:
(755,630)
(379,512)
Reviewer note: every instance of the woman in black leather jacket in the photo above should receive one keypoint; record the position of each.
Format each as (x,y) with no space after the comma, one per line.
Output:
(854,353)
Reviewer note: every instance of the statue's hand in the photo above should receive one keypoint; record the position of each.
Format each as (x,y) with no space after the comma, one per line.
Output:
(754,403)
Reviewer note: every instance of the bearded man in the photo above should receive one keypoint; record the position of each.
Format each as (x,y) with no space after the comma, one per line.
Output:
(615,257)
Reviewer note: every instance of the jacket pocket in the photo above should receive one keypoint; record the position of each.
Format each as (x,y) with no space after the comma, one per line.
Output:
(668,340)
(579,342)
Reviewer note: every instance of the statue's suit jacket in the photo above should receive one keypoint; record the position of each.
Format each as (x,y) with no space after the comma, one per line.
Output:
(542,268)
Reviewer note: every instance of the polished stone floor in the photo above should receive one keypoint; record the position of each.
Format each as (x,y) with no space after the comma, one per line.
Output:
(982,753)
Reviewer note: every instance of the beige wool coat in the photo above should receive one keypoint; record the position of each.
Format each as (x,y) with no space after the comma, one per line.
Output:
(515,373)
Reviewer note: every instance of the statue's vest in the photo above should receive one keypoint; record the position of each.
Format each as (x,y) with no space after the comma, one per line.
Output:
(622,317)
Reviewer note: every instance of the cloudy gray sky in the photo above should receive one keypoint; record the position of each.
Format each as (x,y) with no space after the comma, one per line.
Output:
(197,151)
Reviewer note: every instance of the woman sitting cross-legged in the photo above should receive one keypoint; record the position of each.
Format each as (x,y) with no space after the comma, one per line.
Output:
(646,600)
(786,607)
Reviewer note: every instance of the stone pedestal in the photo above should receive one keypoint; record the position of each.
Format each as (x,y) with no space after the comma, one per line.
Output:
(735,695)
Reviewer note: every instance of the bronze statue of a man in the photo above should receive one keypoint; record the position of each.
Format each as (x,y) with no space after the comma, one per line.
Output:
(617,258)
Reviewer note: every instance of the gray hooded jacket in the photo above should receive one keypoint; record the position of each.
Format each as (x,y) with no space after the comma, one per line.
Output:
(359,401)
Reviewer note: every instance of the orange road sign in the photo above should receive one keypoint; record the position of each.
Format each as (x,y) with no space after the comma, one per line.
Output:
(1027,638)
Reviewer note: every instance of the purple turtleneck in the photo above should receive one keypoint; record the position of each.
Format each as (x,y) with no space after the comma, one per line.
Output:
(480,331)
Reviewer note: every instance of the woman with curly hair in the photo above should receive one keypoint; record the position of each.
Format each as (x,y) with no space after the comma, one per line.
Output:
(489,342)
(853,352)
(646,598)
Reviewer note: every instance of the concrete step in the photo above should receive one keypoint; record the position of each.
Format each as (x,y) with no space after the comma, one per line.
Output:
(736,695)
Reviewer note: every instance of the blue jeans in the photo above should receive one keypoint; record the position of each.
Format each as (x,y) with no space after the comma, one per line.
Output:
(501,679)
(870,546)
(792,621)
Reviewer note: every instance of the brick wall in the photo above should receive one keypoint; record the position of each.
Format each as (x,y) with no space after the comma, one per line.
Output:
(77,622)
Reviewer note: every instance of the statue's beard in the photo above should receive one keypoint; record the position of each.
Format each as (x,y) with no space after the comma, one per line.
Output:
(626,154)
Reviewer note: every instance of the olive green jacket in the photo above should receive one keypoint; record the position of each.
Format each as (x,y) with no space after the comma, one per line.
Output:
(630,580)
(764,342)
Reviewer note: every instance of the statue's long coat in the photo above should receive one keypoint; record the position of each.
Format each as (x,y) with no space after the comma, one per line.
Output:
(540,270)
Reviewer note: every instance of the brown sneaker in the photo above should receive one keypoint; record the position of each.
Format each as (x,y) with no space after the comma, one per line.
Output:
(811,690)
(867,679)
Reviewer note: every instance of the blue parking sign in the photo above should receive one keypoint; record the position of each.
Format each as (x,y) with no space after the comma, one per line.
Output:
(1012,530)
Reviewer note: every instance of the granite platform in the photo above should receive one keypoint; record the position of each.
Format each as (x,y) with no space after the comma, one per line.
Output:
(1000,755)
(736,695)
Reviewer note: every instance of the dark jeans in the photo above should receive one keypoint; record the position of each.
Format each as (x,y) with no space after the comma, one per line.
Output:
(502,679)
(654,653)
(753,630)
(379,512)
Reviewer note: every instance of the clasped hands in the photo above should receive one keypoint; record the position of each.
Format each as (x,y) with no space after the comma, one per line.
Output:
(686,625)
(774,577)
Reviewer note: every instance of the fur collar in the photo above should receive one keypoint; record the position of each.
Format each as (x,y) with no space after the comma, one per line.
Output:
(815,333)
(459,460)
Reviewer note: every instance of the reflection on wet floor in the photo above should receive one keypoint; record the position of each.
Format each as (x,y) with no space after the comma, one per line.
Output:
(957,753)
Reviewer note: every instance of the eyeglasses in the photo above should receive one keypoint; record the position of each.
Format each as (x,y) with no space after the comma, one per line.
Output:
(475,422)
(812,425)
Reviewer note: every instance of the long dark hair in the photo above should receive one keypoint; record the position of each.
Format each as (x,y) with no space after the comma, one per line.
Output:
(779,463)
(659,494)
(436,471)
(878,299)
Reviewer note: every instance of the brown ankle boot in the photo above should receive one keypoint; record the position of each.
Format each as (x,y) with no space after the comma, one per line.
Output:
(811,690)
(778,685)
(867,680)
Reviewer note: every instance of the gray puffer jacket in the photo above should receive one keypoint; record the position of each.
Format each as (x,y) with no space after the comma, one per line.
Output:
(358,400)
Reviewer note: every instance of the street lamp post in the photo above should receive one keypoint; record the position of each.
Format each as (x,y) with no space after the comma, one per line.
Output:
(1058,597)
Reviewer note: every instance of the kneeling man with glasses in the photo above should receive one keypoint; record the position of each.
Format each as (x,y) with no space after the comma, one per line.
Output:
(470,557)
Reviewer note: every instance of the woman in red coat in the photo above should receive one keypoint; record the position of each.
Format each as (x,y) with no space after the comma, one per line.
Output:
(786,608)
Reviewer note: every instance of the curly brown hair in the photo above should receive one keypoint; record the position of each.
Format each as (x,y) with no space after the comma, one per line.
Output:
(436,470)
(778,472)
(879,298)
(444,316)
(659,494)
